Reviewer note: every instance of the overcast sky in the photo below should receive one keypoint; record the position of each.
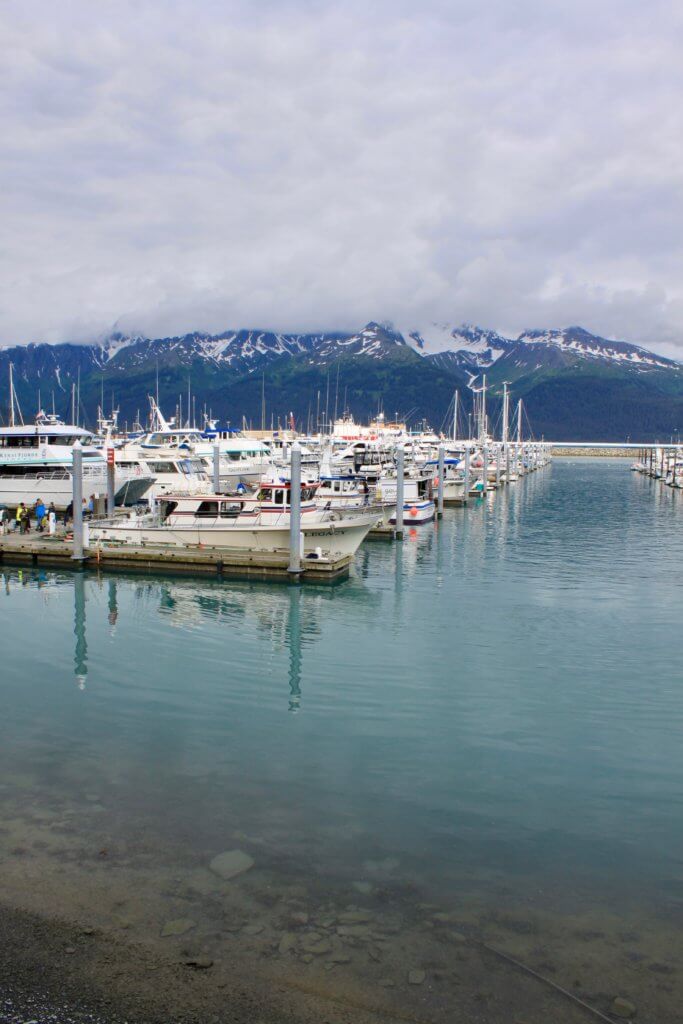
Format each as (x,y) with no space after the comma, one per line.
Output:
(300,165)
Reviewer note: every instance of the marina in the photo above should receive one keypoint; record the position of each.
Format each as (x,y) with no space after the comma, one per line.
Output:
(334,790)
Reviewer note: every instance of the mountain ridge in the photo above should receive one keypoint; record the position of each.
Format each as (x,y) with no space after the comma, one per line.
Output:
(406,372)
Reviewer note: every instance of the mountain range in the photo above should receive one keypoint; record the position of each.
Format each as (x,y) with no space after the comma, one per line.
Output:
(575,385)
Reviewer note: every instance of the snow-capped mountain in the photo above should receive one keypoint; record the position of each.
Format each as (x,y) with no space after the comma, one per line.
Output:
(410,370)
(579,342)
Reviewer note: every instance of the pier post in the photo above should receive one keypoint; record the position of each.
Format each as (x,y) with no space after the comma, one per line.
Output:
(498,466)
(216,469)
(400,471)
(77,501)
(507,463)
(485,469)
(467,471)
(111,481)
(295,510)
(439,490)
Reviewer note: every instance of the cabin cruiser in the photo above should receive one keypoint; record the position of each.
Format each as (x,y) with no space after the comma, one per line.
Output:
(242,460)
(257,522)
(453,478)
(418,494)
(37,461)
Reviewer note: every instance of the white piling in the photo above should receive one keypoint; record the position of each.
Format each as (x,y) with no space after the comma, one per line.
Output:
(400,472)
(485,469)
(439,490)
(467,471)
(497,465)
(216,469)
(111,482)
(295,510)
(77,501)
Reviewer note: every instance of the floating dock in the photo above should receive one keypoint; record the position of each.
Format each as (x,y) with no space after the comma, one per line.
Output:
(57,552)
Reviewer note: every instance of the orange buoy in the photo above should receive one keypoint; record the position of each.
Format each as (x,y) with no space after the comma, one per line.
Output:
(413,511)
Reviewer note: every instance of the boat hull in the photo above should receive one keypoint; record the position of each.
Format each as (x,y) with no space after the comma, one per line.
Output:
(329,541)
(417,512)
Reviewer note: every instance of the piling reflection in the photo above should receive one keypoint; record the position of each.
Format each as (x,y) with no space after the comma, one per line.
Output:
(294,644)
(81,646)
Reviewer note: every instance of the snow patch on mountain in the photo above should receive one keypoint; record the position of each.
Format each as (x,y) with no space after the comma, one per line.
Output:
(590,346)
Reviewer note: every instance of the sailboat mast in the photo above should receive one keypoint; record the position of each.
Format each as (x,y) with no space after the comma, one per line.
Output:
(519,422)
(482,429)
(11,396)
(455,414)
(504,428)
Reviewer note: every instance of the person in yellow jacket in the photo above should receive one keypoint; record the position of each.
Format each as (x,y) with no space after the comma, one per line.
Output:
(19,516)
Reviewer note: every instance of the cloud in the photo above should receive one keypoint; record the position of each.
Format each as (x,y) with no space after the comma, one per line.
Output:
(305,165)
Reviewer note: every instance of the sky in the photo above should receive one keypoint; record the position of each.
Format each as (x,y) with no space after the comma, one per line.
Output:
(302,165)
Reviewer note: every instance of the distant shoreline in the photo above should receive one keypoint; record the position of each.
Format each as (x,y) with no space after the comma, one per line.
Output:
(597,452)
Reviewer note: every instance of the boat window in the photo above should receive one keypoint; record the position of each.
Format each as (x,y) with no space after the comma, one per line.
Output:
(207,510)
(279,497)
(19,442)
(161,467)
(189,466)
(167,507)
(230,510)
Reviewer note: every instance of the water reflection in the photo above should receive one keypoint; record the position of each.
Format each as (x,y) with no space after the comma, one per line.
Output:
(81,645)
(294,643)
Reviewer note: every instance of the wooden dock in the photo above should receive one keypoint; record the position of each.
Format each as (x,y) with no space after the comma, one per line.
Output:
(57,552)
(382,533)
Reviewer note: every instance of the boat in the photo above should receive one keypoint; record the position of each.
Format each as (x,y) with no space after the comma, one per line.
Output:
(259,523)
(37,461)
(418,495)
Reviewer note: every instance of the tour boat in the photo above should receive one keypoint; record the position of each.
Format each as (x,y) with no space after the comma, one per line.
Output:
(36,461)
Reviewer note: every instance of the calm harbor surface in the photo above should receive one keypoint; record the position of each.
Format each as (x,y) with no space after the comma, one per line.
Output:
(475,739)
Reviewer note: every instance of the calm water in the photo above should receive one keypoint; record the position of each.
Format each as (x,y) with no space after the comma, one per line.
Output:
(487,716)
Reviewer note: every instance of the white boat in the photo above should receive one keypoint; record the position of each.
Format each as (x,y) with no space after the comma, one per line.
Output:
(340,493)
(250,523)
(36,461)
(418,495)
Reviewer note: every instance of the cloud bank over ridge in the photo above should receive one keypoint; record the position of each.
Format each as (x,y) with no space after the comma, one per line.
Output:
(307,165)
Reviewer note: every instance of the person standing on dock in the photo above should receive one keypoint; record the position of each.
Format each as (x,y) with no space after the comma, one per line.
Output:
(68,513)
(40,515)
(18,517)
(25,519)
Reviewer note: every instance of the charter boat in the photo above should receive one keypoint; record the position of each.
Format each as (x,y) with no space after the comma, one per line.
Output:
(37,461)
(259,522)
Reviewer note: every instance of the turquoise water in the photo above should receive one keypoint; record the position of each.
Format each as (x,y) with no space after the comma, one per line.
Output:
(488,716)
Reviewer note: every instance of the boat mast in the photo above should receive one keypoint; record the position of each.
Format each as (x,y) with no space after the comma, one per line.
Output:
(482,427)
(11,396)
(455,414)
(519,422)
(504,428)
